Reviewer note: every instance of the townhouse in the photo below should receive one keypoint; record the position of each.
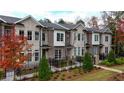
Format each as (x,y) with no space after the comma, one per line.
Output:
(77,39)
(98,42)
(29,27)
(57,41)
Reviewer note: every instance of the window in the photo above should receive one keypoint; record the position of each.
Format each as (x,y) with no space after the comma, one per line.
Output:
(58,54)
(75,51)
(82,51)
(22,54)
(96,37)
(78,37)
(60,36)
(36,55)
(82,37)
(106,38)
(43,36)
(106,50)
(21,33)
(78,51)
(29,55)
(29,35)
(7,32)
(36,35)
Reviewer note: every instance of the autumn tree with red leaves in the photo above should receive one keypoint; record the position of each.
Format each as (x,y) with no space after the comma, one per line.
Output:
(13,51)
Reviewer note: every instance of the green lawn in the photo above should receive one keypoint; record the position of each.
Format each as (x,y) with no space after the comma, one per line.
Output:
(119,67)
(96,76)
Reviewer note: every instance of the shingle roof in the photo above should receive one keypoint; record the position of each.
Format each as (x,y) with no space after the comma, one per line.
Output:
(52,25)
(70,26)
(105,30)
(102,30)
(9,19)
(91,29)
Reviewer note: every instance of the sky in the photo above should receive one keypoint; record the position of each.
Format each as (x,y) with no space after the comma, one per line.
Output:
(70,16)
(51,9)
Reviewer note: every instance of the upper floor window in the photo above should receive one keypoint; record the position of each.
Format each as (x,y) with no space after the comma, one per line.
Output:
(106,38)
(96,37)
(36,35)
(79,37)
(43,36)
(60,36)
(21,33)
(29,35)
(7,32)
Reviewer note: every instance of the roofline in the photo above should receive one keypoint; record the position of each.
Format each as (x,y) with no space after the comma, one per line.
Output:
(3,20)
(78,25)
(28,17)
(62,26)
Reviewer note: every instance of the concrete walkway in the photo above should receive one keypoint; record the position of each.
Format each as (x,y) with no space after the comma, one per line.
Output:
(109,69)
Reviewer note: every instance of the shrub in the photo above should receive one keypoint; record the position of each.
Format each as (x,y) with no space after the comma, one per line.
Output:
(120,61)
(111,57)
(1,74)
(87,63)
(105,62)
(44,69)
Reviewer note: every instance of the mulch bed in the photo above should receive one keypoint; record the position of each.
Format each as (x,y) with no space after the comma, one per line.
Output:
(117,77)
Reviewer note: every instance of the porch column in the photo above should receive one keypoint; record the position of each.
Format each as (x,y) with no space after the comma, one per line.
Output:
(2,29)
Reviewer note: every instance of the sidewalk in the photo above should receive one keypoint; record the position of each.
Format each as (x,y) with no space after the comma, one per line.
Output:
(109,69)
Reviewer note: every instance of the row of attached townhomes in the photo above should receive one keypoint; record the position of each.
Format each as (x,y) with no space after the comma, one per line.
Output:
(58,41)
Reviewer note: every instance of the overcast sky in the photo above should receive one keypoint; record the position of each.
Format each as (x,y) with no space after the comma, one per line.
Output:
(41,9)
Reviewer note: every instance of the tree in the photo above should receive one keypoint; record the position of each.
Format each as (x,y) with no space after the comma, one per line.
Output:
(112,20)
(44,69)
(45,20)
(12,51)
(111,57)
(93,22)
(61,21)
(87,62)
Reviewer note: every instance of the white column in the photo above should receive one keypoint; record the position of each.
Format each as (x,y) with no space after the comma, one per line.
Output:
(2,29)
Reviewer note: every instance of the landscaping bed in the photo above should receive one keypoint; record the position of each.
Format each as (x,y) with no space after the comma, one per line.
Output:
(117,77)
(77,74)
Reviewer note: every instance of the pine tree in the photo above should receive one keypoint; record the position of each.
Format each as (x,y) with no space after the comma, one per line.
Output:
(44,69)
(87,63)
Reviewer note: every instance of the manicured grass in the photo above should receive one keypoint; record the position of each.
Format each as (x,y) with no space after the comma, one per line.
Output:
(76,75)
(101,75)
(119,67)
